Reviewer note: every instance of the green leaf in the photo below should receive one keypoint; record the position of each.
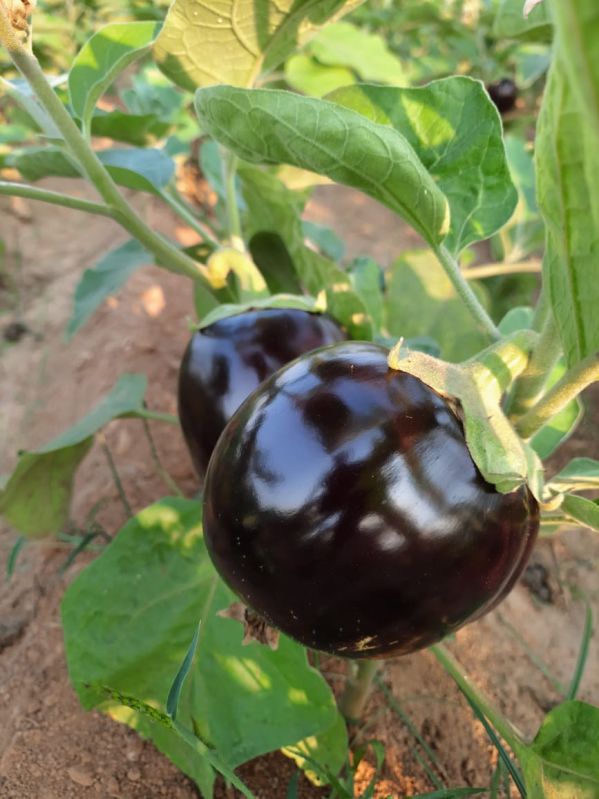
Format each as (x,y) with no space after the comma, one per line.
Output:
(309,77)
(421,301)
(36,499)
(510,21)
(344,44)
(330,140)
(103,279)
(567,163)
(135,168)
(560,427)
(563,760)
(577,26)
(456,133)
(131,630)
(274,208)
(143,169)
(137,129)
(22,93)
(580,474)
(368,281)
(520,318)
(328,749)
(327,241)
(256,37)
(585,511)
(102,58)
(272,258)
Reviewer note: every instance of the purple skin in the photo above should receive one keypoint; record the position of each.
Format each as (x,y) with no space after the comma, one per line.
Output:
(225,362)
(504,94)
(343,506)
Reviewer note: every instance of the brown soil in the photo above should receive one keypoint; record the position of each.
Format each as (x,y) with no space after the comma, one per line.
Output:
(49,747)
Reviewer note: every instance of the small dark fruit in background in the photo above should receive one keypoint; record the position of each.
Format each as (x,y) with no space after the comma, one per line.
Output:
(227,360)
(504,94)
(343,506)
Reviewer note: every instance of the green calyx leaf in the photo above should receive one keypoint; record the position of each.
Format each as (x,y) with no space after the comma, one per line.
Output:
(278,127)
(503,459)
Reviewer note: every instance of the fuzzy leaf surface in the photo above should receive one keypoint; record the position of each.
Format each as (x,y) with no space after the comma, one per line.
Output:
(456,133)
(278,127)
(130,629)
(256,35)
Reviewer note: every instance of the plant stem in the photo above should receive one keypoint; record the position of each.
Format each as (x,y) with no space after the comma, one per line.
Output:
(495,269)
(173,202)
(455,274)
(357,689)
(562,393)
(231,162)
(497,719)
(531,384)
(165,253)
(157,416)
(13,189)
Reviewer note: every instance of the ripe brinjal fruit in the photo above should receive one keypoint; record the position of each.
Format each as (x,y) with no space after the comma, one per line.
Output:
(343,506)
(504,94)
(227,360)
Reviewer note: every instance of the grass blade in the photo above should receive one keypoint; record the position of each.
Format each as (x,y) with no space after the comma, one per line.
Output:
(14,554)
(583,653)
(507,761)
(172,702)
(451,793)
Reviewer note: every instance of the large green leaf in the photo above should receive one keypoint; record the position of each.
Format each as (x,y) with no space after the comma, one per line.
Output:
(577,25)
(563,760)
(105,278)
(272,207)
(102,58)
(510,21)
(256,35)
(129,619)
(278,127)
(136,168)
(421,301)
(456,133)
(37,497)
(308,76)
(567,163)
(344,44)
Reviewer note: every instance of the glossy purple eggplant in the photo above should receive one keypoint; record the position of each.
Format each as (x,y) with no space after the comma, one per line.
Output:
(343,506)
(504,94)
(227,360)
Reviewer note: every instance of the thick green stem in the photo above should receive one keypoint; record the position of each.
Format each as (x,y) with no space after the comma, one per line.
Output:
(166,254)
(532,382)
(231,162)
(13,189)
(470,299)
(562,393)
(357,689)
(507,731)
